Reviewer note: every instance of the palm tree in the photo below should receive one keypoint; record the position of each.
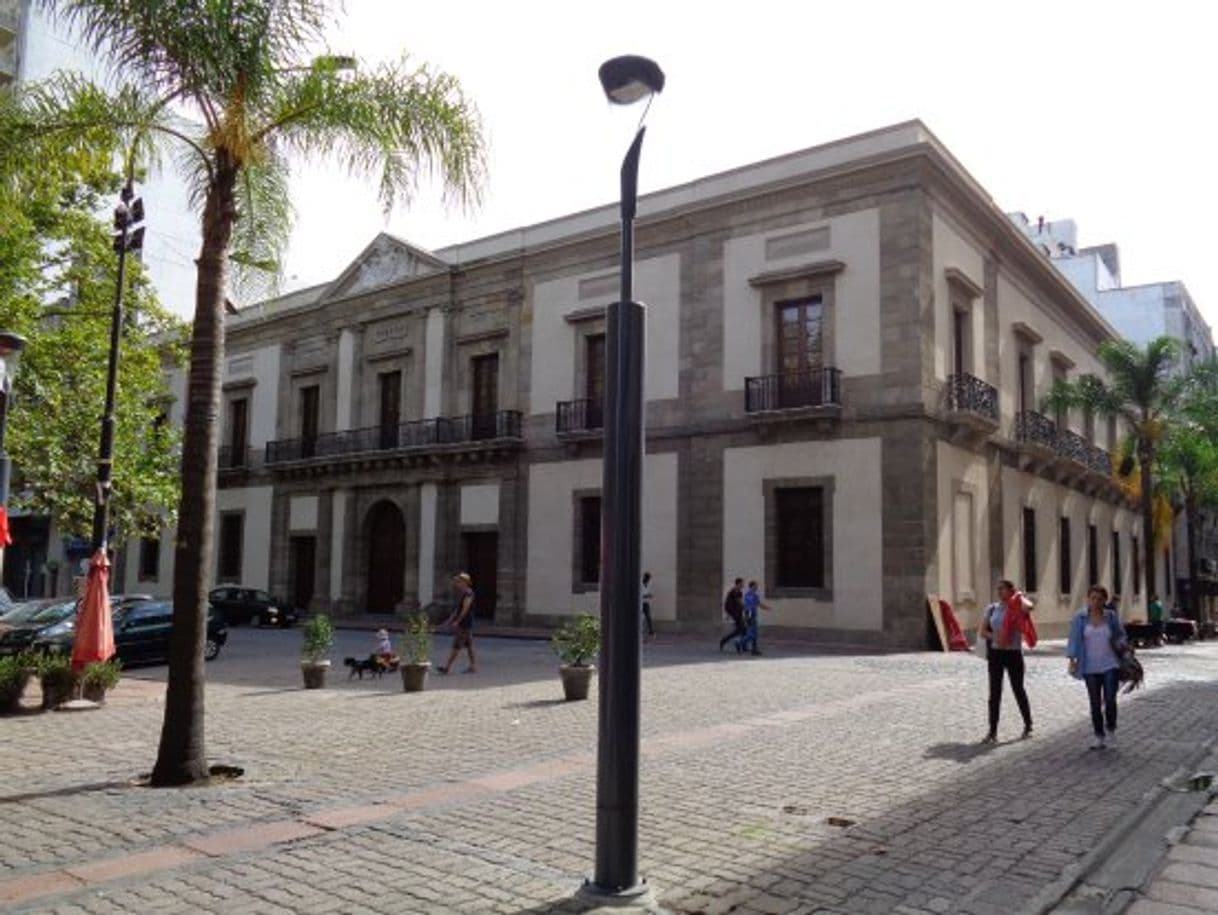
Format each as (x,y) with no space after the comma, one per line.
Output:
(234,86)
(1142,391)
(1188,463)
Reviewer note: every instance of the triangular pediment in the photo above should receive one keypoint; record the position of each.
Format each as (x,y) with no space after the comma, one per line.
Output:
(385,262)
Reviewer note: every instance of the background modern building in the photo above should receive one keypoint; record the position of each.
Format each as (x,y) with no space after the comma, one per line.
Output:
(846,351)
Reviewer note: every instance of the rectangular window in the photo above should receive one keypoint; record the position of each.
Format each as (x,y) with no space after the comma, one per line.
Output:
(390,389)
(484,401)
(961,339)
(1029,550)
(1024,381)
(1063,537)
(1093,556)
(310,416)
(799,336)
(150,558)
(800,537)
(231,528)
(1137,567)
(238,429)
(1116,562)
(590,540)
(1167,572)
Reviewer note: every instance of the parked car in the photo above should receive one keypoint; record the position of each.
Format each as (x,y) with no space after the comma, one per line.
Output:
(141,633)
(21,613)
(22,634)
(250,605)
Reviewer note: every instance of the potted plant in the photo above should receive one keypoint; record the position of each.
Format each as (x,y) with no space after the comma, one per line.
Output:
(57,678)
(14,674)
(99,678)
(576,642)
(318,635)
(415,659)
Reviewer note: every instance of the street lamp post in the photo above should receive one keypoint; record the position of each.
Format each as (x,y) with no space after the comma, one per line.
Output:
(625,80)
(11,346)
(129,236)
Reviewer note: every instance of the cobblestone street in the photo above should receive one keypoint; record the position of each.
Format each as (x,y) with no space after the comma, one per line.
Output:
(478,795)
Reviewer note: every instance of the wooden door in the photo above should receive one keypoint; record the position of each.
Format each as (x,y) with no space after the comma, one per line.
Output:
(310,407)
(799,352)
(594,380)
(303,570)
(391,407)
(238,431)
(386,558)
(482,564)
(484,403)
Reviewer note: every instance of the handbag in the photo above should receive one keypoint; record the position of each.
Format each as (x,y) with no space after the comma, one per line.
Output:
(1130,672)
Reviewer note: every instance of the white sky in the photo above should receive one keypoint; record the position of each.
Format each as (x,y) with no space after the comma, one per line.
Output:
(1101,112)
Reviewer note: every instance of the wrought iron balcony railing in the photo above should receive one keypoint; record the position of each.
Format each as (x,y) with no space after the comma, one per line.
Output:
(793,390)
(575,416)
(969,394)
(234,459)
(1036,429)
(1073,447)
(441,432)
(1099,460)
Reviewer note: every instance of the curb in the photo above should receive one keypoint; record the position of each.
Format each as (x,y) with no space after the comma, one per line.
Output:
(1053,894)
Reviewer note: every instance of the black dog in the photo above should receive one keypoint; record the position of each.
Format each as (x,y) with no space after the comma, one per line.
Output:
(371,664)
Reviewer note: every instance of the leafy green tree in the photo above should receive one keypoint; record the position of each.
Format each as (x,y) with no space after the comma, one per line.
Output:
(245,73)
(1188,464)
(1143,390)
(57,280)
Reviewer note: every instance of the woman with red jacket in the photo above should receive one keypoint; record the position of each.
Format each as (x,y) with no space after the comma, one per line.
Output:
(1003,627)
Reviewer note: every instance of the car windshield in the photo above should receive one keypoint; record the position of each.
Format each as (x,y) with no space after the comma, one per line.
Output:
(53,614)
(23,613)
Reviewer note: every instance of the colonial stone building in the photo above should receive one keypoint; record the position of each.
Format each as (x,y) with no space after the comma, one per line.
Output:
(847,348)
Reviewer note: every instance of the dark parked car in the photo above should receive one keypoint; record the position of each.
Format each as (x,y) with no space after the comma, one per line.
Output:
(141,633)
(250,605)
(21,634)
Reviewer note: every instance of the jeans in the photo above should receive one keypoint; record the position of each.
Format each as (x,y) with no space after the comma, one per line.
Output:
(648,628)
(1010,660)
(736,634)
(1105,683)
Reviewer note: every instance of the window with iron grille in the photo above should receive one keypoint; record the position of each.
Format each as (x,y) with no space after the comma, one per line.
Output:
(1093,556)
(150,558)
(590,540)
(1029,550)
(1116,562)
(231,530)
(800,537)
(1063,536)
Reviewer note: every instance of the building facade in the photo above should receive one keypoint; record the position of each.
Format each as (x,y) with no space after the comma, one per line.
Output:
(847,349)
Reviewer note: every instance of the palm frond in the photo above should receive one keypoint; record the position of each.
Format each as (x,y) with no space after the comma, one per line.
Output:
(395,125)
(261,232)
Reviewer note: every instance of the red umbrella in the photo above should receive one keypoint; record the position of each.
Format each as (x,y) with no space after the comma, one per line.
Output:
(94,629)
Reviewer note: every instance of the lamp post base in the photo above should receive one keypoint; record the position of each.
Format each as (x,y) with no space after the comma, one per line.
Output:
(639,896)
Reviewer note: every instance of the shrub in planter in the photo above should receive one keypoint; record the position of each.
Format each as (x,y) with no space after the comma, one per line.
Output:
(415,653)
(57,678)
(576,642)
(318,637)
(99,678)
(15,672)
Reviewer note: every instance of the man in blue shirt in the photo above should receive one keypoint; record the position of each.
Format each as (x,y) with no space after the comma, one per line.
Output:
(753,604)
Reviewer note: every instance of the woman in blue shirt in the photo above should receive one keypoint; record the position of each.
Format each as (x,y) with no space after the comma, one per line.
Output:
(1097,641)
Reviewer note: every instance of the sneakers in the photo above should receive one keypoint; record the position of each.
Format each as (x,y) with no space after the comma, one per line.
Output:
(1027,733)
(990,738)
(1111,738)
(1098,743)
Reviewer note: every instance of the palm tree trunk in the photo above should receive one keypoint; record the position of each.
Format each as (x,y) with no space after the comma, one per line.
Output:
(182,756)
(1194,582)
(1146,457)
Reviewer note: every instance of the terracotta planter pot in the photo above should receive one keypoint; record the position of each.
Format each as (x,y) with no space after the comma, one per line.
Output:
(414,677)
(94,693)
(576,681)
(314,673)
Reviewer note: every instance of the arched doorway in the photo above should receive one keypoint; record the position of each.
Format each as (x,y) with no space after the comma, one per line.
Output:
(386,557)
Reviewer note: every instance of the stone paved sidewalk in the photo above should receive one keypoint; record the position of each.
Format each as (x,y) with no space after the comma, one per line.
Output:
(1188,881)
(481,799)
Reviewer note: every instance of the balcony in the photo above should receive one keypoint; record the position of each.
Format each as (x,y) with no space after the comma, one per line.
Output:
(1036,434)
(972,402)
(444,435)
(579,417)
(1099,461)
(818,392)
(1072,448)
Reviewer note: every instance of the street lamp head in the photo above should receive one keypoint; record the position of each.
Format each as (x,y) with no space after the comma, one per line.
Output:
(11,346)
(629,78)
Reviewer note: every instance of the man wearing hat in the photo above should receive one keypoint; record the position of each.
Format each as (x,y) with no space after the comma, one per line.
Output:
(462,623)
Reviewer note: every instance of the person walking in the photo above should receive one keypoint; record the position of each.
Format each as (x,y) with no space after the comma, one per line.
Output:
(462,623)
(753,605)
(1002,628)
(1154,613)
(733,608)
(1097,641)
(649,630)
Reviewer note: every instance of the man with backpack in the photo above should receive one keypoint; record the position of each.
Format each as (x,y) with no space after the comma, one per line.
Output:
(733,608)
